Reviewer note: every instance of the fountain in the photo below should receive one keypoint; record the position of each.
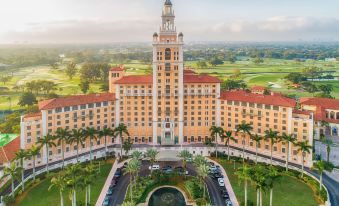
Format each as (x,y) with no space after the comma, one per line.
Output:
(167,196)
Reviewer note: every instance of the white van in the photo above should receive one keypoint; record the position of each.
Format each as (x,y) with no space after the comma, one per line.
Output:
(155,167)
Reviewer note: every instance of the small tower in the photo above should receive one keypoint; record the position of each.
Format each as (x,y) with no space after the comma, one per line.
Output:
(115,74)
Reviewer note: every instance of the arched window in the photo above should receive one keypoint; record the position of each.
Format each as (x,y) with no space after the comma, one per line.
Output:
(332,115)
(337,115)
(168,54)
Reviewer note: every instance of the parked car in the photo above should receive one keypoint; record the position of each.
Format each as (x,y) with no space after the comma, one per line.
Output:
(217,175)
(155,167)
(180,170)
(110,191)
(167,167)
(224,194)
(114,182)
(118,173)
(221,182)
(106,201)
(228,203)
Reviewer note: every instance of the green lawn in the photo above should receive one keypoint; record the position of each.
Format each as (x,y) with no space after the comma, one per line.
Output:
(40,196)
(289,192)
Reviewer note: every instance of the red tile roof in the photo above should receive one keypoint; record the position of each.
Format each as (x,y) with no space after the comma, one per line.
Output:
(189,71)
(202,78)
(38,114)
(296,111)
(135,79)
(243,96)
(322,102)
(7,153)
(320,115)
(75,100)
(117,69)
(148,79)
(258,88)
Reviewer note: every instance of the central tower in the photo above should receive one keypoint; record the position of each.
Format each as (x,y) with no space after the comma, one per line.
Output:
(168,72)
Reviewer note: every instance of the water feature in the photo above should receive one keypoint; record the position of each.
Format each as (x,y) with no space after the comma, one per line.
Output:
(167,196)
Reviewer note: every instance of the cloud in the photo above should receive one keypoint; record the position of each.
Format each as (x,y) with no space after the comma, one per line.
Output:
(277,28)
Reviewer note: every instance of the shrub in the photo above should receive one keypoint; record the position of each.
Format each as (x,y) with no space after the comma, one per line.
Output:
(8,200)
(193,187)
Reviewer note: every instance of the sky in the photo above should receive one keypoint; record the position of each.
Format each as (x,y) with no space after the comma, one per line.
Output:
(109,21)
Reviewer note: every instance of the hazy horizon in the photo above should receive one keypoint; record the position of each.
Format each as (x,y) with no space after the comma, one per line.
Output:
(134,21)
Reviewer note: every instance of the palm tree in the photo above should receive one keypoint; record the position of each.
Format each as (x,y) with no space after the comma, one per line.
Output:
(151,154)
(304,148)
(185,155)
(47,141)
(229,137)
(104,133)
(328,144)
(90,133)
(243,174)
(33,152)
(127,146)
(21,155)
(128,203)
(244,128)
(62,135)
(73,180)
(132,167)
(77,136)
(120,131)
(90,173)
(272,177)
(136,155)
(215,132)
(199,160)
(272,136)
(203,173)
(12,171)
(257,138)
(322,166)
(258,175)
(289,139)
(60,183)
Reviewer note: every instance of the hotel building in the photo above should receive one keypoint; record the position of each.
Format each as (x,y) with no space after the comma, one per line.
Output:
(170,108)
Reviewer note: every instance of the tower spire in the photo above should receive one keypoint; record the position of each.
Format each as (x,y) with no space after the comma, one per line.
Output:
(168,2)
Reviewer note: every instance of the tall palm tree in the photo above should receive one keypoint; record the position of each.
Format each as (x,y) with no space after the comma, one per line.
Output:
(33,152)
(74,180)
(328,144)
(272,177)
(120,131)
(288,139)
(62,136)
(47,141)
(136,155)
(322,166)
(132,168)
(243,174)
(12,171)
(244,128)
(257,138)
(104,134)
(151,154)
(77,137)
(273,137)
(60,183)
(229,137)
(258,176)
(216,132)
(90,133)
(203,173)
(304,148)
(21,155)
(90,173)
(185,155)
(199,160)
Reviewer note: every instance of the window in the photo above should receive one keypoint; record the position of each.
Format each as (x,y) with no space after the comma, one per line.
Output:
(167,54)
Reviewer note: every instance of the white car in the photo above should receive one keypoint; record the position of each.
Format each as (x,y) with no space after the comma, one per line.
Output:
(221,182)
(154,167)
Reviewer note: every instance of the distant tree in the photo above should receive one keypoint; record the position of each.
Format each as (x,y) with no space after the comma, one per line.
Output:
(27,98)
(326,88)
(258,60)
(236,73)
(71,70)
(232,59)
(47,86)
(104,87)
(32,109)
(231,84)
(54,66)
(52,96)
(5,79)
(202,65)
(296,78)
(312,72)
(84,86)
(309,87)
(127,146)
(11,124)
(216,61)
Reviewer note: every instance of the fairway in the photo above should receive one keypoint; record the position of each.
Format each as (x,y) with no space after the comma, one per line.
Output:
(288,191)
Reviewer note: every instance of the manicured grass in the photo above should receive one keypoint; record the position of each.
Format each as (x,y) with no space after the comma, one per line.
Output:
(289,191)
(40,196)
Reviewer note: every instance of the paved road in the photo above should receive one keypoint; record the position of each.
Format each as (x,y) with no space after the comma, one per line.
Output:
(120,190)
